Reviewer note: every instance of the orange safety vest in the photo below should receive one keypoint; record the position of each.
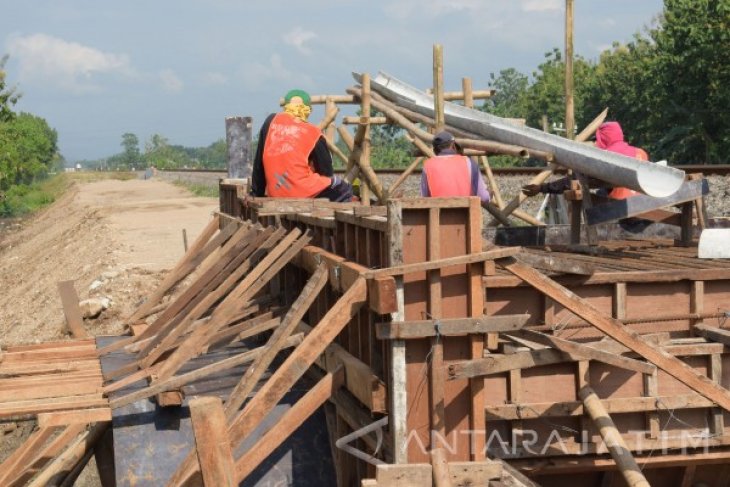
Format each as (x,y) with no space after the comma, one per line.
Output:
(448,175)
(623,193)
(288,144)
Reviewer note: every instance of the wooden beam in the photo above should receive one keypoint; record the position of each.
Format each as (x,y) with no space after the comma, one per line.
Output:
(612,438)
(276,341)
(555,263)
(580,351)
(497,363)
(618,405)
(719,335)
(622,334)
(473,258)
(71,310)
(440,468)
(288,373)
(438,85)
(66,461)
(288,423)
(83,416)
(212,445)
(636,205)
(404,330)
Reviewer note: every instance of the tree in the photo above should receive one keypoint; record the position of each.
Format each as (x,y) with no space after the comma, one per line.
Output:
(693,65)
(509,100)
(130,155)
(28,149)
(8,96)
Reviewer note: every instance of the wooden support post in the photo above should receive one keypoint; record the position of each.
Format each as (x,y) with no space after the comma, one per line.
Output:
(238,141)
(438,86)
(436,368)
(212,445)
(440,468)
(71,310)
(622,334)
(582,380)
(700,208)
(277,340)
(619,301)
(466,88)
(651,389)
(586,205)
(330,112)
(686,229)
(613,440)
(569,103)
(288,424)
(717,421)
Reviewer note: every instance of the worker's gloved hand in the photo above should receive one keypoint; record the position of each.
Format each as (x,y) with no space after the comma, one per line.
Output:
(531,189)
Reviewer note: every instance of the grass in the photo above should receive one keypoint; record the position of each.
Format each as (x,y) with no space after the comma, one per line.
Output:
(199,189)
(24,199)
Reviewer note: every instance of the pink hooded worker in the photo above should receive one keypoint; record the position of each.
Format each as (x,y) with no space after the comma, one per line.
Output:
(610,137)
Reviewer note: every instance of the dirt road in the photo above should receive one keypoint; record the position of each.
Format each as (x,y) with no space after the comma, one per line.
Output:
(115,238)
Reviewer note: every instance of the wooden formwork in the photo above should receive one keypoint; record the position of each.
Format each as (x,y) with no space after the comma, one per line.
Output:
(523,405)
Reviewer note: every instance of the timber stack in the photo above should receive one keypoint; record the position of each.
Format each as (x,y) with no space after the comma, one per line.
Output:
(433,355)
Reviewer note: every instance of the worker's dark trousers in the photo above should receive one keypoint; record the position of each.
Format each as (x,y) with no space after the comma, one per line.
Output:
(339,192)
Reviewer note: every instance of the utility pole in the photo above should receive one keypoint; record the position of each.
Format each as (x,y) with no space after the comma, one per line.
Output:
(569,105)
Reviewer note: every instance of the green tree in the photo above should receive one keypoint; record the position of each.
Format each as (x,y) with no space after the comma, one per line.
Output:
(131,155)
(510,97)
(693,66)
(8,96)
(28,150)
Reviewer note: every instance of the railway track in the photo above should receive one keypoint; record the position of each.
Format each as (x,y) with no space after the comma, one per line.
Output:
(706,169)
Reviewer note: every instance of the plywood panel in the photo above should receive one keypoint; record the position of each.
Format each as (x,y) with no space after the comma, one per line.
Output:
(552,383)
(609,381)
(669,386)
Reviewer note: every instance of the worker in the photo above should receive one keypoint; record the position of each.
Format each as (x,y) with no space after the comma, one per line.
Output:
(450,173)
(610,137)
(292,159)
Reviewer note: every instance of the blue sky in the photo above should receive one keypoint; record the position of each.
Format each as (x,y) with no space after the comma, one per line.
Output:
(96,69)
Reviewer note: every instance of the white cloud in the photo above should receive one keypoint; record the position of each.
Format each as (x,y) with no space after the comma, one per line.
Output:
(297,37)
(170,81)
(541,5)
(215,79)
(403,9)
(257,74)
(70,65)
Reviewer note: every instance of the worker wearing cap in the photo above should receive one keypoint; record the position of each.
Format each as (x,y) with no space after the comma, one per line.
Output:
(292,159)
(450,173)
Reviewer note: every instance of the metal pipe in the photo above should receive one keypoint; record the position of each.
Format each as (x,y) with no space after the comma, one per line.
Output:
(619,170)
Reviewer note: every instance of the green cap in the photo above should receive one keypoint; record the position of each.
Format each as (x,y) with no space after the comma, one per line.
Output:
(301,94)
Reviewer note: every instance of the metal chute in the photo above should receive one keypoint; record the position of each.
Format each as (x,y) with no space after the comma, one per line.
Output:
(619,170)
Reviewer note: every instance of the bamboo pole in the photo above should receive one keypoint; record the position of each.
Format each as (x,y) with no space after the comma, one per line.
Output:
(569,102)
(331,112)
(440,468)
(321,99)
(352,120)
(612,438)
(438,86)
(404,175)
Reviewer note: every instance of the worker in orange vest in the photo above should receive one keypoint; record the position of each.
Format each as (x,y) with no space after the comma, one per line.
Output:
(450,173)
(292,159)
(609,137)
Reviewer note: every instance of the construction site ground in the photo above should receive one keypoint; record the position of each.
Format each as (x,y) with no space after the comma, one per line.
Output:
(114,238)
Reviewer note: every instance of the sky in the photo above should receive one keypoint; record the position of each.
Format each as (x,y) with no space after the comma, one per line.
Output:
(96,69)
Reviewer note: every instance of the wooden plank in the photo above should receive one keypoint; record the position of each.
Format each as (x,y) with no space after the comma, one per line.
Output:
(497,363)
(71,310)
(713,333)
(35,406)
(616,330)
(577,350)
(717,420)
(288,424)
(555,263)
(612,438)
(420,474)
(44,453)
(67,460)
(197,252)
(276,341)
(404,330)
(15,464)
(440,468)
(619,405)
(441,263)
(254,281)
(436,363)
(78,416)
(212,445)
(636,205)
(288,373)
(178,381)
